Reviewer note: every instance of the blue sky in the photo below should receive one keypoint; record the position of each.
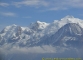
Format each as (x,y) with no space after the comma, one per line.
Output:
(23,12)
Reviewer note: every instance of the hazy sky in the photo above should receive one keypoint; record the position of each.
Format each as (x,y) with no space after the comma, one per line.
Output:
(23,12)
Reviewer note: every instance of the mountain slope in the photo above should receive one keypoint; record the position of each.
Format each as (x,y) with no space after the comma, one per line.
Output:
(70,34)
(39,33)
(62,38)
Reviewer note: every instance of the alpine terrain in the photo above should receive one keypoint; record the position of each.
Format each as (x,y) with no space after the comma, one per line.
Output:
(62,38)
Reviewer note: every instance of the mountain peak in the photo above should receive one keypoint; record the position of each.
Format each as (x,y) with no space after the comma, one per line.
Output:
(69,32)
(38,22)
(14,25)
(9,28)
(71,19)
(69,16)
(38,25)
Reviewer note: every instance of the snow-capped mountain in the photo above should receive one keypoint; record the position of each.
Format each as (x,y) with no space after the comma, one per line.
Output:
(38,25)
(70,34)
(68,29)
(63,38)
(18,35)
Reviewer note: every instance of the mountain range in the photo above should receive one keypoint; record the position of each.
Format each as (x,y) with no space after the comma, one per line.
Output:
(62,37)
(67,31)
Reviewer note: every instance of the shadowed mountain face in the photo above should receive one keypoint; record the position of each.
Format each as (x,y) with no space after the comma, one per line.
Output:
(69,35)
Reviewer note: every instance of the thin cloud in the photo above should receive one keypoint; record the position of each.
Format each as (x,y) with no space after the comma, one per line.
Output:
(65,4)
(4,4)
(36,49)
(76,3)
(58,8)
(8,14)
(35,3)
(51,4)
